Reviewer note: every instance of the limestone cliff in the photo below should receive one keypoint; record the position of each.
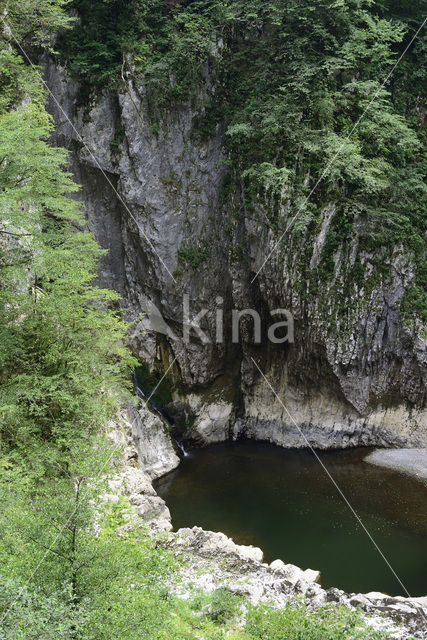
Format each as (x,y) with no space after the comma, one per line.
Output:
(170,232)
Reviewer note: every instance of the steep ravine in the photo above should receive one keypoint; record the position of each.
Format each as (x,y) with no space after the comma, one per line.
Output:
(361,382)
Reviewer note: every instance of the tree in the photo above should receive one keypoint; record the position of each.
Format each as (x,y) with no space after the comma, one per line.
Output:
(61,336)
(33,22)
(69,572)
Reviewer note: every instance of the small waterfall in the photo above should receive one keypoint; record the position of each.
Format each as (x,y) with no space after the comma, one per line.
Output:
(139,391)
(164,415)
(238,429)
(181,447)
(148,399)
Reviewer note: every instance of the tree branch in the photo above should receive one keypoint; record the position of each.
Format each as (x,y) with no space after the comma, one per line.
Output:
(17,235)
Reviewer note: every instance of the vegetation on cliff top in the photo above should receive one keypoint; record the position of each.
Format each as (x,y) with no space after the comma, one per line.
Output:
(298,87)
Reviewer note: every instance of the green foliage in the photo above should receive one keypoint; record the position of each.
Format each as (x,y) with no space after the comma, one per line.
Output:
(60,334)
(107,31)
(154,384)
(66,573)
(33,22)
(117,140)
(297,110)
(221,606)
(414,302)
(298,87)
(26,23)
(36,614)
(193,257)
(16,79)
(295,623)
(94,584)
(61,337)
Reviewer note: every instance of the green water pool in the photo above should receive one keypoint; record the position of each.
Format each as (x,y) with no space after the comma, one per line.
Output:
(283,501)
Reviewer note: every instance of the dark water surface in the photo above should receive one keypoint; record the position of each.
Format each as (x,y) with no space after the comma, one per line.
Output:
(282,501)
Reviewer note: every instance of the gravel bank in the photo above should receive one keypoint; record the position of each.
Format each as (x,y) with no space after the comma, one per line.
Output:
(410,461)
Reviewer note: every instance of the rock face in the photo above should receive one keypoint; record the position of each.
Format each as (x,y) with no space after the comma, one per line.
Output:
(154,198)
(133,478)
(154,445)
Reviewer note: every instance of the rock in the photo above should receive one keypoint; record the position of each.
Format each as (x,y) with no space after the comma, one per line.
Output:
(333,595)
(360,601)
(160,525)
(376,595)
(213,544)
(156,452)
(149,510)
(293,573)
(310,575)
(153,507)
(253,592)
(278,565)
(419,602)
(137,482)
(212,420)
(358,381)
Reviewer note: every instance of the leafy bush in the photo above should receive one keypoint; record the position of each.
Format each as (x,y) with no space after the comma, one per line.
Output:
(296,623)
(221,606)
(192,256)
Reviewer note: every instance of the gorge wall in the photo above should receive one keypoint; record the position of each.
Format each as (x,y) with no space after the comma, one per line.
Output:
(354,375)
